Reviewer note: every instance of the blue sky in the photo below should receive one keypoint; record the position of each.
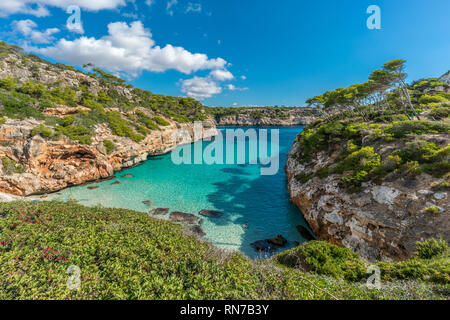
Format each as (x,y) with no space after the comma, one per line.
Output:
(236,52)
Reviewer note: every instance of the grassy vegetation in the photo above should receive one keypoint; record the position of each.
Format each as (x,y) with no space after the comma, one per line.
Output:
(124,254)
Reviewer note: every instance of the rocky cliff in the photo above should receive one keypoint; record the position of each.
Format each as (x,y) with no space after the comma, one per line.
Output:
(61,127)
(384,218)
(49,165)
(265,116)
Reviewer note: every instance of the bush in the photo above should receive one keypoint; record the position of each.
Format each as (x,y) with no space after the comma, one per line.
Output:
(76,133)
(161,121)
(326,259)
(8,83)
(42,131)
(402,128)
(10,166)
(431,248)
(108,145)
(440,113)
(121,127)
(432,210)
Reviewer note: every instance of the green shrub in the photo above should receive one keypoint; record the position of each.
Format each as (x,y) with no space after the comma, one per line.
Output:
(419,150)
(8,84)
(326,259)
(432,210)
(440,113)
(17,105)
(161,121)
(76,133)
(109,146)
(121,127)
(402,128)
(431,248)
(42,131)
(10,166)
(303,177)
(365,159)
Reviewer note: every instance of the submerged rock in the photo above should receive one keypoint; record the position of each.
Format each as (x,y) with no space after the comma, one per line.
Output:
(197,230)
(159,211)
(147,202)
(93,187)
(211,213)
(279,240)
(264,245)
(129,175)
(116,182)
(304,232)
(269,245)
(183,217)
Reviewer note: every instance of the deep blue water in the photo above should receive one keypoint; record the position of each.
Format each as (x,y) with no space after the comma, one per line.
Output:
(238,190)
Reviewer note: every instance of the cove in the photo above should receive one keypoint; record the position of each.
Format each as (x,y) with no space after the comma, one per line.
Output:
(254,206)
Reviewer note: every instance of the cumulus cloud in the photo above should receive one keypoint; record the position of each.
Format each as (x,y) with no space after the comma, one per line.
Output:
(129,49)
(205,87)
(28,29)
(38,8)
(222,75)
(200,88)
(149,2)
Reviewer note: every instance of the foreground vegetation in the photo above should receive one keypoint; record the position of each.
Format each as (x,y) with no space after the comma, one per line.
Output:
(124,254)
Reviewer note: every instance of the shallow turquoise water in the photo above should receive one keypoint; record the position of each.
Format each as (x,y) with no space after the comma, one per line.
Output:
(239,191)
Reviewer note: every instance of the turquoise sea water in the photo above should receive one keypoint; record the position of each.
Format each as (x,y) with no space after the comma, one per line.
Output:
(238,190)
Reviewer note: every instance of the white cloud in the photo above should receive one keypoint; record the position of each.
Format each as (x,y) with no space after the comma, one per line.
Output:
(129,49)
(194,7)
(200,88)
(232,87)
(222,75)
(27,29)
(205,87)
(243,77)
(149,2)
(38,8)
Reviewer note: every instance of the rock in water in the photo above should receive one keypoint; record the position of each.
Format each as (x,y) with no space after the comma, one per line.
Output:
(183,217)
(197,230)
(211,213)
(116,182)
(263,245)
(93,187)
(129,175)
(159,211)
(279,240)
(147,202)
(304,232)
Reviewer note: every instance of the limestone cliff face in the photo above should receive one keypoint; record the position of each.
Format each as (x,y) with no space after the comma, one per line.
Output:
(381,222)
(266,117)
(247,120)
(51,165)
